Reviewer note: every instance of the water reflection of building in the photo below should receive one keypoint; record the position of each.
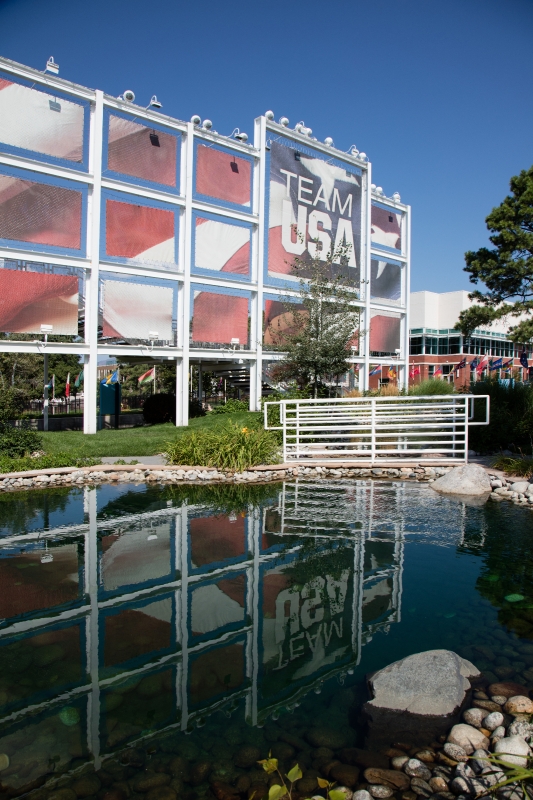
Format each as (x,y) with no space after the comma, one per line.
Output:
(114,629)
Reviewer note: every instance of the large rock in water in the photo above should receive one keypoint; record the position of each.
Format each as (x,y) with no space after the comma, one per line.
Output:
(470,479)
(418,698)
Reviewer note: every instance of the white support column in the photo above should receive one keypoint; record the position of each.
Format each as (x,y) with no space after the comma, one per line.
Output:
(92,631)
(90,375)
(366,261)
(184,302)
(260,178)
(407,283)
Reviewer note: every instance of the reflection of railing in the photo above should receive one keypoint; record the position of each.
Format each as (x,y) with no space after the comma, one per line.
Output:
(376,429)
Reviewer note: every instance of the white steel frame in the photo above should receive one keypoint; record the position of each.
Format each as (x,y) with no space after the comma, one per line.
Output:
(377,429)
(254,355)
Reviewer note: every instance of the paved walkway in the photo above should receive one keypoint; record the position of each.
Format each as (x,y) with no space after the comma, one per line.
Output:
(151,460)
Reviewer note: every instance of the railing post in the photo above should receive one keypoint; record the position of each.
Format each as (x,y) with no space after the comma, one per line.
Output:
(283,420)
(466,415)
(373,429)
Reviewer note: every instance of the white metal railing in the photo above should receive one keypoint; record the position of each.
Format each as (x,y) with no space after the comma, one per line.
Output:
(376,429)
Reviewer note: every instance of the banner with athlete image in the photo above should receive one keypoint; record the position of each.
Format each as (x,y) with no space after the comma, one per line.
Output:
(315,206)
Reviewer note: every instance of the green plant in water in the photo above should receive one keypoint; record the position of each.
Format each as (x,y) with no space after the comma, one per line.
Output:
(523,776)
(278,791)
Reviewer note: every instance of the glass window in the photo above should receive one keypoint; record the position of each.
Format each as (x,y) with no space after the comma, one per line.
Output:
(416,345)
(431,345)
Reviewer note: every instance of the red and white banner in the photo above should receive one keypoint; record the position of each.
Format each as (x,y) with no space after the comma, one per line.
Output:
(139,232)
(141,151)
(223,175)
(31,299)
(134,310)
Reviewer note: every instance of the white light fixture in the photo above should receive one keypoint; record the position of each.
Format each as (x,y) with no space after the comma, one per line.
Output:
(154,102)
(243,137)
(128,96)
(328,141)
(153,335)
(196,120)
(269,114)
(52,66)
(373,187)
(353,151)
(284,121)
(379,190)
(151,537)
(207,124)
(363,156)
(235,341)
(396,197)
(47,328)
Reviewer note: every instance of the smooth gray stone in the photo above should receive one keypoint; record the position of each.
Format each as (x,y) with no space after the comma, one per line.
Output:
(470,479)
(432,683)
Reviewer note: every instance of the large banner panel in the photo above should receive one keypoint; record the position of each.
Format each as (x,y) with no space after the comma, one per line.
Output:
(141,151)
(386,230)
(140,232)
(221,175)
(40,213)
(384,333)
(219,318)
(314,206)
(31,299)
(277,320)
(133,310)
(222,246)
(385,282)
(35,120)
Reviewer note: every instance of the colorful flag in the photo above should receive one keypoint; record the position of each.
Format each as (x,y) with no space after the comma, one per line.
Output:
(523,359)
(392,373)
(496,364)
(482,364)
(79,380)
(461,364)
(67,386)
(437,372)
(508,364)
(149,376)
(415,371)
(473,364)
(112,377)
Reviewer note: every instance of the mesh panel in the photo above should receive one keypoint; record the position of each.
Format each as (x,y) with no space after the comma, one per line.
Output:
(141,232)
(276,320)
(386,282)
(31,299)
(39,213)
(41,122)
(384,333)
(133,310)
(222,175)
(219,318)
(141,151)
(386,227)
(222,247)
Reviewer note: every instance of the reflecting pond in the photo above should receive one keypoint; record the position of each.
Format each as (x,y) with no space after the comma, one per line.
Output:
(205,626)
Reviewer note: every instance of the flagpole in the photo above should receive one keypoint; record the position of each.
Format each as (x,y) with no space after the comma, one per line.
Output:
(154,378)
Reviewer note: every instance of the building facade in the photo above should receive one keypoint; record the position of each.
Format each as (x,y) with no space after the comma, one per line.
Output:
(127,234)
(436,348)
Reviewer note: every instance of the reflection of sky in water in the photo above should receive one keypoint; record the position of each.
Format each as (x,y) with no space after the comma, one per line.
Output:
(177,609)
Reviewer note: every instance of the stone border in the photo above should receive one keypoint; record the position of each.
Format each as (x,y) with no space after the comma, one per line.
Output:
(517,491)
(124,473)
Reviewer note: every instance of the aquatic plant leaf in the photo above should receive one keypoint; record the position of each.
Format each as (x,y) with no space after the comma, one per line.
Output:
(276,791)
(294,774)
(269,764)
(322,783)
(514,598)
(336,794)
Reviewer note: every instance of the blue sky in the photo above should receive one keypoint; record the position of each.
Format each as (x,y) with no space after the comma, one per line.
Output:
(438,94)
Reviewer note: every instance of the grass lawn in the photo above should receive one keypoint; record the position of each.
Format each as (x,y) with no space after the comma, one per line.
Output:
(147,441)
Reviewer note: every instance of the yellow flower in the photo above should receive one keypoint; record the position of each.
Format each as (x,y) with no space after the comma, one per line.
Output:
(244,430)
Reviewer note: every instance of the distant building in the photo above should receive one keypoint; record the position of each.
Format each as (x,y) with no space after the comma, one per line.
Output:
(435,348)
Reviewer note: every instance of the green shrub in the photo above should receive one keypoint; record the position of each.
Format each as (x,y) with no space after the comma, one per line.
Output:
(230,407)
(226,447)
(432,386)
(514,465)
(511,417)
(17,442)
(8,464)
(159,408)
(13,402)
